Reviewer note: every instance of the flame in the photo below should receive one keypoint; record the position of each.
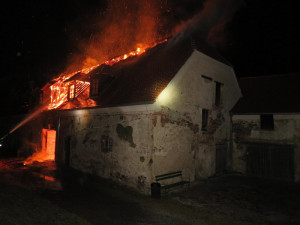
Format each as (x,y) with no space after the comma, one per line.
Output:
(48,178)
(60,88)
(48,148)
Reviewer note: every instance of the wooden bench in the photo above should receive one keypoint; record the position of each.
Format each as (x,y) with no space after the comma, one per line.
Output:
(167,176)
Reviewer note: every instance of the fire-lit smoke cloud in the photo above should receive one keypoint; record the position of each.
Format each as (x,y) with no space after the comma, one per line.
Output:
(125,26)
(211,21)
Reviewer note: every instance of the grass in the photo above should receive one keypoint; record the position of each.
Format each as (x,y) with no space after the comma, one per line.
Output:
(19,206)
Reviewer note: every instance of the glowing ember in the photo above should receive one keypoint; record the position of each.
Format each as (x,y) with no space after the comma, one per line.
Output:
(48,178)
(48,148)
(62,91)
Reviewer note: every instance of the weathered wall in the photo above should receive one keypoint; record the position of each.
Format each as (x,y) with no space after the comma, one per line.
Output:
(178,135)
(114,145)
(173,143)
(246,129)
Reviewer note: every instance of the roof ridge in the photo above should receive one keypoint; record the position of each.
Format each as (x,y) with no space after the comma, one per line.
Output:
(270,76)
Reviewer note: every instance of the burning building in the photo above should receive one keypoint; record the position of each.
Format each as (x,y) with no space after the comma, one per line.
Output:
(144,114)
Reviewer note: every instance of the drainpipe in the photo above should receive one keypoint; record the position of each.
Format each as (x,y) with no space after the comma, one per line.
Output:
(230,141)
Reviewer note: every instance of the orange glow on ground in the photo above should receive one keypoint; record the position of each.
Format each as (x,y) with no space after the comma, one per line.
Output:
(48,178)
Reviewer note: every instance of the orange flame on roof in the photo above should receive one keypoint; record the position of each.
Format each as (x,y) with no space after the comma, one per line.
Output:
(59,90)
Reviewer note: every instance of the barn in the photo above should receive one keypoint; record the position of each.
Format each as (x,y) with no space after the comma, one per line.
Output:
(165,110)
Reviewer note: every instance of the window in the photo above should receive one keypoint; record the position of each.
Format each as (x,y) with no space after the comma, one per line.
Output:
(72,91)
(267,122)
(218,94)
(94,87)
(204,119)
(106,143)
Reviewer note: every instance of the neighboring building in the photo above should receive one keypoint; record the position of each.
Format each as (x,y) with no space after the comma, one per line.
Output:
(266,127)
(163,111)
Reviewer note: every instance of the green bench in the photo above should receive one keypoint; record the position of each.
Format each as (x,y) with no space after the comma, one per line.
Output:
(178,182)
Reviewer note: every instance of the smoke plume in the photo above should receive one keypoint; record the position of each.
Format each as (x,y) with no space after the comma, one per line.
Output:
(128,24)
(211,21)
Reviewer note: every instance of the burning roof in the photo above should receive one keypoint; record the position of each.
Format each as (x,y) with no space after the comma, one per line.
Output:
(71,86)
(134,78)
(141,79)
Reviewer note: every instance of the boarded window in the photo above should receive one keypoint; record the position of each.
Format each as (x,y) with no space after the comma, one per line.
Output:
(204,119)
(218,94)
(267,122)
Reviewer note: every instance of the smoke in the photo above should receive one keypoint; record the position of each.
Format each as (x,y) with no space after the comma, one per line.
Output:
(126,25)
(211,21)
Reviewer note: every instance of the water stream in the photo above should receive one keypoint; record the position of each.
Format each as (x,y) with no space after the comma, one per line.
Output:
(28,118)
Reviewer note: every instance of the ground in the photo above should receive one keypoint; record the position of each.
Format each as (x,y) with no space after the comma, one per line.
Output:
(41,194)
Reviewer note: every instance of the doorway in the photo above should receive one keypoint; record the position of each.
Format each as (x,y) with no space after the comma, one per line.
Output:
(48,144)
(221,158)
(67,151)
(274,161)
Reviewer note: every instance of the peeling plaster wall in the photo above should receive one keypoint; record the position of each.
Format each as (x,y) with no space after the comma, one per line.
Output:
(179,143)
(173,139)
(112,145)
(246,129)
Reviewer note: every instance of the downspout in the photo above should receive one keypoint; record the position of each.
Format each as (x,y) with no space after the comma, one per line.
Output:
(150,148)
(230,142)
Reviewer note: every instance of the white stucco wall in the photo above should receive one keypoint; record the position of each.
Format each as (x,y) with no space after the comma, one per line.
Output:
(127,161)
(182,102)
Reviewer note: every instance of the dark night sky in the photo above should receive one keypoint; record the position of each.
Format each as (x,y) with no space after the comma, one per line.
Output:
(39,37)
(265,38)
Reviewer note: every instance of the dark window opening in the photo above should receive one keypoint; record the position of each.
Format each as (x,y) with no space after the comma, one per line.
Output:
(218,94)
(267,122)
(204,119)
(94,87)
